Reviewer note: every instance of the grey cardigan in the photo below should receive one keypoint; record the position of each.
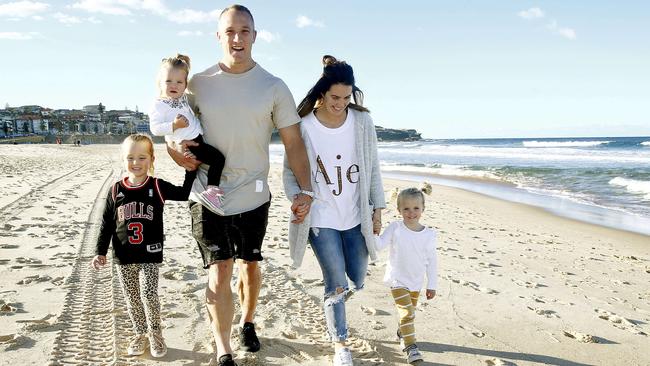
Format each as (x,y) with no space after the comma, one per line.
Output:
(371,190)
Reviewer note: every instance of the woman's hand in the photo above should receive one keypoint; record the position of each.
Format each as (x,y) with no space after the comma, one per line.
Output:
(300,207)
(376,221)
(98,261)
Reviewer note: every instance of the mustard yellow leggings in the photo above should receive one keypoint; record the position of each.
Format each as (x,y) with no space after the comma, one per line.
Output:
(405,301)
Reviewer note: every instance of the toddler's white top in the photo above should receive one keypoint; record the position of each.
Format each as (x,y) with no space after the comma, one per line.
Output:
(164,111)
(412,255)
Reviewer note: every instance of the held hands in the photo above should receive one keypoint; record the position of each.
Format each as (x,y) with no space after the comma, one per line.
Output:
(177,153)
(376,221)
(98,261)
(180,122)
(300,207)
(431,294)
(185,148)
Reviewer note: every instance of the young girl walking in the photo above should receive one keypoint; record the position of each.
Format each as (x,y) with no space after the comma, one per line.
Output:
(412,255)
(172,117)
(133,223)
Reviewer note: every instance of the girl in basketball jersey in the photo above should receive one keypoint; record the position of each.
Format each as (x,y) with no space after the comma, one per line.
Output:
(133,223)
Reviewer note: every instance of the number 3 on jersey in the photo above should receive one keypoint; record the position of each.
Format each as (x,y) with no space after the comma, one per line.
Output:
(136,238)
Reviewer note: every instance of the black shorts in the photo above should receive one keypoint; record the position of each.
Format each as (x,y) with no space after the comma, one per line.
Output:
(223,237)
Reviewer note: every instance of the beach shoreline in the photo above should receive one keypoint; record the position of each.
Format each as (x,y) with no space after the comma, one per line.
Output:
(517,284)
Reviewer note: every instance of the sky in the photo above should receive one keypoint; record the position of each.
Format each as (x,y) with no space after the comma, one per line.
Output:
(450,69)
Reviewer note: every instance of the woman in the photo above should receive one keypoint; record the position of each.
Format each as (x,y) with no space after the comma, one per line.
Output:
(341,144)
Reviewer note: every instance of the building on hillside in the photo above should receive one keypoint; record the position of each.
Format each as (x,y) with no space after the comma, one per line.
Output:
(28,109)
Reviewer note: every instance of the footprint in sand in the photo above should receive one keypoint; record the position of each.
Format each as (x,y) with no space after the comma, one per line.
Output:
(15,341)
(23,260)
(543,312)
(528,284)
(498,362)
(475,332)
(372,311)
(580,337)
(475,286)
(35,278)
(619,321)
(8,308)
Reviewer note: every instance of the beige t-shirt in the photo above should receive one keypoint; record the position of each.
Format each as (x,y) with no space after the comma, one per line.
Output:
(238,113)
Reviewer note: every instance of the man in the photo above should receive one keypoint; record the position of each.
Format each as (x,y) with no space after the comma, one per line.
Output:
(240,104)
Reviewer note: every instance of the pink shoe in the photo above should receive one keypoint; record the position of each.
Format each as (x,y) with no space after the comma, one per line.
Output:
(211,199)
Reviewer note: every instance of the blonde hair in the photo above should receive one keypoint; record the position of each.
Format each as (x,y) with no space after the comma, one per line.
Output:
(136,138)
(410,193)
(179,62)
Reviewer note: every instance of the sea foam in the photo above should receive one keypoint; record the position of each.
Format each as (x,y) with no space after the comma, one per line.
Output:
(441,169)
(645,143)
(633,186)
(563,143)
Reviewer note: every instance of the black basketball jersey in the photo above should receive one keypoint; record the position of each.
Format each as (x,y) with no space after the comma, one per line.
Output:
(133,218)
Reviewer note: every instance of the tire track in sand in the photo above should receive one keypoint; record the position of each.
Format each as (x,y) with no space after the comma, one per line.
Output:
(26,200)
(94,320)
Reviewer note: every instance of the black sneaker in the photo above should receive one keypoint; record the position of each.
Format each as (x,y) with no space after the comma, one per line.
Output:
(226,360)
(248,340)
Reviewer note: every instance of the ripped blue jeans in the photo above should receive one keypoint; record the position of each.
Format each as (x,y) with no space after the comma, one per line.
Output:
(342,254)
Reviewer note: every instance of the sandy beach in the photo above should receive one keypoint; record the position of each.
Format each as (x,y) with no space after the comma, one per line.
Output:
(517,285)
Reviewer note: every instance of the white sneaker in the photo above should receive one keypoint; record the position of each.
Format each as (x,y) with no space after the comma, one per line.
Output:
(157,345)
(343,357)
(137,345)
(413,355)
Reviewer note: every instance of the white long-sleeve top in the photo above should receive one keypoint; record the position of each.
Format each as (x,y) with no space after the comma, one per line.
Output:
(164,111)
(412,255)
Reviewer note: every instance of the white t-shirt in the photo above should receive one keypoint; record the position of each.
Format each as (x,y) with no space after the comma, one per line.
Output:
(334,174)
(164,111)
(412,255)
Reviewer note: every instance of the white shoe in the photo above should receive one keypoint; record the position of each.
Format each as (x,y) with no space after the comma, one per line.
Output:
(343,357)
(157,345)
(137,345)
(413,355)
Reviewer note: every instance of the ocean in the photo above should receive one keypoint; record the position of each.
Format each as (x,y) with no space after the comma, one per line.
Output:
(604,180)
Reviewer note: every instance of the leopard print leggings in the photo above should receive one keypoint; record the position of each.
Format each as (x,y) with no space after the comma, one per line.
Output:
(129,275)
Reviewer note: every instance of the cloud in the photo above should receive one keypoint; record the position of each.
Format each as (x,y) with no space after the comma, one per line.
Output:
(303,21)
(22,9)
(66,19)
(187,33)
(267,36)
(109,7)
(94,20)
(568,33)
(19,36)
(156,7)
(537,13)
(531,13)
(185,16)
